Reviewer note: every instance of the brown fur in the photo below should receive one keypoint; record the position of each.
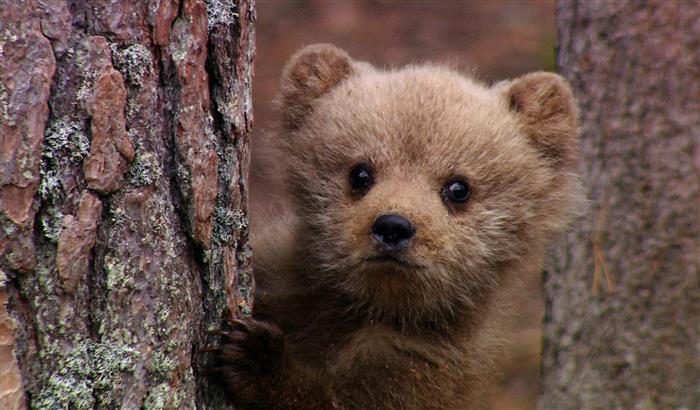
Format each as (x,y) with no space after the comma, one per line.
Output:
(358,334)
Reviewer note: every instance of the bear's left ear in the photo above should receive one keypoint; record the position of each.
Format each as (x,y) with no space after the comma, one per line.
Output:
(310,73)
(548,114)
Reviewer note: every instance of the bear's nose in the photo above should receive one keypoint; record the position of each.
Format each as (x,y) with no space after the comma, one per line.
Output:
(392,232)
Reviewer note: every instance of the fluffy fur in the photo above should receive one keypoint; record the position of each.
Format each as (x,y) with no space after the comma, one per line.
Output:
(333,329)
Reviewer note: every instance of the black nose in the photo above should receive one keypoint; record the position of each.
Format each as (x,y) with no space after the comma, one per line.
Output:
(393,232)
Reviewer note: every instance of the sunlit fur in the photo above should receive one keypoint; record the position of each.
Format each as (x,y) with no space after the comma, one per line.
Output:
(421,334)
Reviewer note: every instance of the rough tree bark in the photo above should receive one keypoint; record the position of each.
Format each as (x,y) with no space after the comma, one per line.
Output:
(123,223)
(622,322)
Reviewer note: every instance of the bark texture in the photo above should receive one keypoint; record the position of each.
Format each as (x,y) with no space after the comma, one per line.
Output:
(622,322)
(123,188)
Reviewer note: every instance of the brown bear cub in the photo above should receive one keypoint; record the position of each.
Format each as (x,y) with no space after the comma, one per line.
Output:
(419,197)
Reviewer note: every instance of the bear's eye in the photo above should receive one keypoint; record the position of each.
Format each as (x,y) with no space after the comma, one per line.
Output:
(361,178)
(457,191)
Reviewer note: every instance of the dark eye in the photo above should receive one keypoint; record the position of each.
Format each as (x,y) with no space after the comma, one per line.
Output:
(457,191)
(361,178)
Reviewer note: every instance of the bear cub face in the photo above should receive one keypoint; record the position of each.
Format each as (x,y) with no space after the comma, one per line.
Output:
(421,189)
(419,197)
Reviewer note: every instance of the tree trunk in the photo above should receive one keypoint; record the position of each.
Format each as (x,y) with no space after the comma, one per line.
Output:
(622,321)
(123,188)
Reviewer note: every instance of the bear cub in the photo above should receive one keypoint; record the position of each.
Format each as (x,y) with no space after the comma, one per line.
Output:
(419,197)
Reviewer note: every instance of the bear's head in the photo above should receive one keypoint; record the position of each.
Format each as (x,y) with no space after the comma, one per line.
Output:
(420,189)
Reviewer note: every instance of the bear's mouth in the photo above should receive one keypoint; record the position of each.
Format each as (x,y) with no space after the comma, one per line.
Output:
(392,259)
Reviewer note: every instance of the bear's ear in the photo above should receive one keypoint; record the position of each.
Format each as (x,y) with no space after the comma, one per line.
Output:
(310,73)
(548,114)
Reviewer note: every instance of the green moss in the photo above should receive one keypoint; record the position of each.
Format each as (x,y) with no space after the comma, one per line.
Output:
(63,392)
(226,222)
(117,215)
(164,396)
(160,227)
(133,108)
(134,61)
(89,373)
(8,227)
(144,169)
(85,90)
(163,326)
(161,366)
(5,107)
(178,49)
(51,221)
(50,186)
(162,314)
(45,278)
(157,397)
(117,275)
(109,362)
(65,145)
(65,138)
(48,349)
(216,301)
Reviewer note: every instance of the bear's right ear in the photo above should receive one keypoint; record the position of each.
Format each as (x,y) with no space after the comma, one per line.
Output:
(310,73)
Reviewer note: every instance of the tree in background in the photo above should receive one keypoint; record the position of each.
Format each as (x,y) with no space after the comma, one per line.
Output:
(123,222)
(622,321)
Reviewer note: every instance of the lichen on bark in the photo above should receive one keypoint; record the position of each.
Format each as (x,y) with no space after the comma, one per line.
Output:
(139,193)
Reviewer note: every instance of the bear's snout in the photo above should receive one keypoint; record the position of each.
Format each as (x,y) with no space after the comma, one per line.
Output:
(392,232)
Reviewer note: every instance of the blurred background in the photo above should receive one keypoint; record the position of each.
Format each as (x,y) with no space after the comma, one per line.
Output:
(492,40)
